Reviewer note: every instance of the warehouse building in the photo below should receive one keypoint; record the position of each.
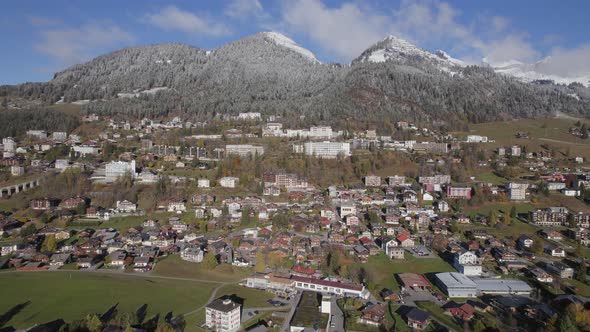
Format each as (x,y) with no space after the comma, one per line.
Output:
(456,284)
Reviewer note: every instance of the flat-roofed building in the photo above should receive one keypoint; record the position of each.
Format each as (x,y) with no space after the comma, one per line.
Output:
(223,315)
(328,150)
(456,284)
(244,150)
(500,286)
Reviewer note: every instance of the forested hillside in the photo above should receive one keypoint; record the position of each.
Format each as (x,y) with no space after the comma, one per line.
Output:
(259,73)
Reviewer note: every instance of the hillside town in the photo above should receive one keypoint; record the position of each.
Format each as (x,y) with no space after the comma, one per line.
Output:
(417,229)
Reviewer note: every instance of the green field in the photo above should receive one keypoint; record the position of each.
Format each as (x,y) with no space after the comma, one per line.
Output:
(551,132)
(72,295)
(253,298)
(380,269)
(173,266)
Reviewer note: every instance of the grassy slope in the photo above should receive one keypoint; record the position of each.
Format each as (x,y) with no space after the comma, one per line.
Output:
(173,266)
(381,270)
(70,296)
(555,133)
(253,298)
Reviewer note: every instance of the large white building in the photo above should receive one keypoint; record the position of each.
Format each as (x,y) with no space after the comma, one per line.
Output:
(228,182)
(192,254)
(467,263)
(456,284)
(83,150)
(459,285)
(9,146)
(223,315)
(249,116)
(328,150)
(116,169)
(244,150)
(517,191)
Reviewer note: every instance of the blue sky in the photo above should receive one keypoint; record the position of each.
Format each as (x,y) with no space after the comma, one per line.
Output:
(42,37)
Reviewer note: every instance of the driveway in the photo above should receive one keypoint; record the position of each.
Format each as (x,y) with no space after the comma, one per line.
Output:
(336,322)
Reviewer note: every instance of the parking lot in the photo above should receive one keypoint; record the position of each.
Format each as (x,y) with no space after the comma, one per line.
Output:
(420,251)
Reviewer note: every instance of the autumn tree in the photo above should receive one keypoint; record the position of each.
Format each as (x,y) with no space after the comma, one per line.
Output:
(260,266)
(210,261)
(49,244)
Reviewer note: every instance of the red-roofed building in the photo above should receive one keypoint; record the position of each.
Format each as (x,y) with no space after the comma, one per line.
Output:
(413,281)
(405,241)
(332,287)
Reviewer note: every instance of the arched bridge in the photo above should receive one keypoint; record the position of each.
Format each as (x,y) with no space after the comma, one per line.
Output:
(17,188)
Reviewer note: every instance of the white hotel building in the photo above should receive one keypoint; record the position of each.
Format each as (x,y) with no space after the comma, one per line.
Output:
(328,150)
(116,169)
(244,150)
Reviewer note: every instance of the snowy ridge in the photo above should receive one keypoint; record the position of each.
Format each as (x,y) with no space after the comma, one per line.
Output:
(394,48)
(284,41)
(535,72)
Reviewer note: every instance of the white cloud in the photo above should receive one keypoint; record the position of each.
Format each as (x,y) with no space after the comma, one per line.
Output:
(568,62)
(344,31)
(348,29)
(500,23)
(68,45)
(244,8)
(511,47)
(173,18)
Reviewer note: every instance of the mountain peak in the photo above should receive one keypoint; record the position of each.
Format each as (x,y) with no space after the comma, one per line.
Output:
(284,41)
(398,49)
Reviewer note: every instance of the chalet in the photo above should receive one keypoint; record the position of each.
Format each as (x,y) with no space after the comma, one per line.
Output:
(464,311)
(72,203)
(373,315)
(117,258)
(405,241)
(525,241)
(59,259)
(541,276)
(176,205)
(551,234)
(417,319)
(43,203)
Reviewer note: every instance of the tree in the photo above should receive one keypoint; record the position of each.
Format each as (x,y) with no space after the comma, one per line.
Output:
(203,225)
(92,323)
(507,218)
(49,244)
(440,243)
(578,252)
(479,326)
(492,219)
(210,261)
(571,221)
(513,212)
(260,266)
(582,272)
(537,246)
(29,229)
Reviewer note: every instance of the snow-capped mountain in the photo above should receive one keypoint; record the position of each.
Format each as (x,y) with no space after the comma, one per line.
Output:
(398,49)
(282,40)
(270,72)
(537,71)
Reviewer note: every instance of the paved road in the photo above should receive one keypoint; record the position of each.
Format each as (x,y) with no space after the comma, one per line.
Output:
(246,312)
(131,275)
(294,302)
(336,317)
